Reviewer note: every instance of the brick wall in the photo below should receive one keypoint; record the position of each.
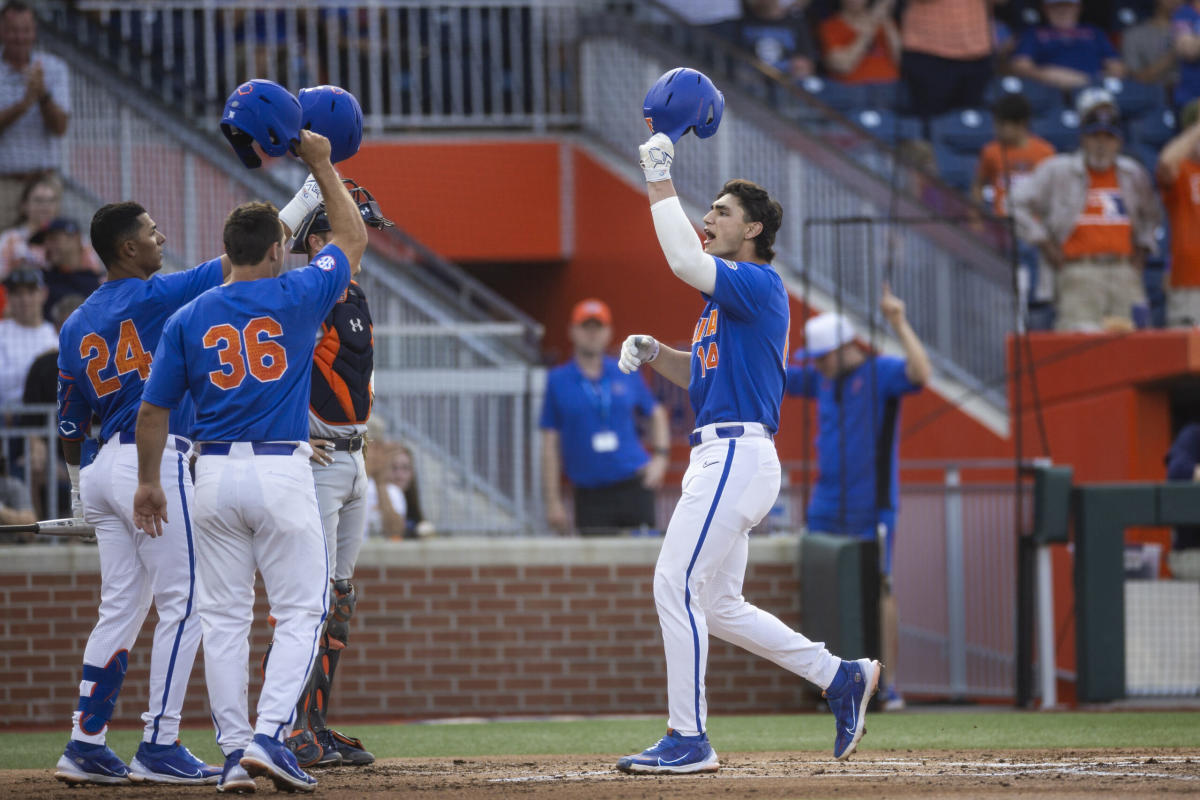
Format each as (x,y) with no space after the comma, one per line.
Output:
(444,628)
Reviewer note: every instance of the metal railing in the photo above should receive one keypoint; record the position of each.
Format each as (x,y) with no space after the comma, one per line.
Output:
(26,429)
(477,63)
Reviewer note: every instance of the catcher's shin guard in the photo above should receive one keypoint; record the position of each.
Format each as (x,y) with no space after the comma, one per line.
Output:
(314,703)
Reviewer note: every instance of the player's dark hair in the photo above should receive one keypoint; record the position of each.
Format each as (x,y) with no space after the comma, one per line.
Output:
(15,6)
(112,225)
(757,206)
(1012,107)
(250,230)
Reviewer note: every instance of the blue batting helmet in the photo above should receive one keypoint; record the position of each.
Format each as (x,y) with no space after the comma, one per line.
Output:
(335,114)
(682,100)
(260,111)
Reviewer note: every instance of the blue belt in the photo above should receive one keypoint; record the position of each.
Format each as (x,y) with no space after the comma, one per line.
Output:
(129,437)
(259,448)
(728,432)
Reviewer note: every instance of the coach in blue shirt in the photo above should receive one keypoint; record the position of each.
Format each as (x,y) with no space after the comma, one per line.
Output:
(589,431)
(858,412)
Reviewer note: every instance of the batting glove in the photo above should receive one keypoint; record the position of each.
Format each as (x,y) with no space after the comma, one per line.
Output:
(76,502)
(303,202)
(637,350)
(656,156)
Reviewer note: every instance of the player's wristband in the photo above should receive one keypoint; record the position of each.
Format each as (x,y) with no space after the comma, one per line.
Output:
(301,204)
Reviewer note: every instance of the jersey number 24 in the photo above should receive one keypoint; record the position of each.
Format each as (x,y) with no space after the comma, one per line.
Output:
(246,351)
(130,357)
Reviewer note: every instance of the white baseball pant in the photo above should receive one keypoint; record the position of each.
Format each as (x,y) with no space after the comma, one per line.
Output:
(258,511)
(729,486)
(135,569)
(342,498)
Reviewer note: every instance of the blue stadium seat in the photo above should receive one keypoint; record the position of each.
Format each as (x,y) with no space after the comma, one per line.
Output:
(891,96)
(1152,131)
(885,125)
(1061,129)
(965,131)
(1135,100)
(843,97)
(1146,156)
(955,168)
(1043,99)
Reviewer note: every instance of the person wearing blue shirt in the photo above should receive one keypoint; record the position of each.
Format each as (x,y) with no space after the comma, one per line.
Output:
(858,412)
(1183,464)
(734,371)
(1185,36)
(1065,54)
(589,431)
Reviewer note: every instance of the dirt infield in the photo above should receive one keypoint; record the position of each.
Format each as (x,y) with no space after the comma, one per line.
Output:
(1025,774)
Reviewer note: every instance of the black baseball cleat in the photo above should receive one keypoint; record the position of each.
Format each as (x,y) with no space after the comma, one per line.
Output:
(308,750)
(351,750)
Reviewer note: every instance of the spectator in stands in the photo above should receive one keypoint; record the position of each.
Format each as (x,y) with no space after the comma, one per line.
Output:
(1092,214)
(1064,53)
(66,271)
(15,508)
(589,431)
(41,200)
(1183,464)
(35,105)
(1006,162)
(395,513)
(861,44)
(947,59)
(1147,49)
(1179,181)
(24,335)
(858,408)
(777,33)
(1185,33)
(719,16)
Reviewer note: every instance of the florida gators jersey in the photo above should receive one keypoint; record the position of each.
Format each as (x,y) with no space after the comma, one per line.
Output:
(106,348)
(740,347)
(245,351)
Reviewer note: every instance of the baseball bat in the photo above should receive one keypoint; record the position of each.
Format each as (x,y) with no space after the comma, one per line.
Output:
(68,526)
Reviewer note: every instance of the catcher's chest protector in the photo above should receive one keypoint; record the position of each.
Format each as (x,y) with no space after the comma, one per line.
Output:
(343,361)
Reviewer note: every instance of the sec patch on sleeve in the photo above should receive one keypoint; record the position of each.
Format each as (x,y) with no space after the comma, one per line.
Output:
(326,263)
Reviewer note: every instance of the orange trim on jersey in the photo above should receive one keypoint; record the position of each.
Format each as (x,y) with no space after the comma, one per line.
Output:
(326,352)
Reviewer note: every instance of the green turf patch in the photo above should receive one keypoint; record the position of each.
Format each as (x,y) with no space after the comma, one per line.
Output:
(814,732)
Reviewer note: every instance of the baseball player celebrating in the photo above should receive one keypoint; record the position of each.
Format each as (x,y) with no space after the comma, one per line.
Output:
(339,407)
(104,360)
(734,373)
(244,352)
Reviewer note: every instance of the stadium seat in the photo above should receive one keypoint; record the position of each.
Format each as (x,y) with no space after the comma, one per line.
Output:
(1135,100)
(1127,13)
(887,95)
(843,97)
(965,131)
(887,126)
(1043,99)
(956,169)
(1146,156)
(1061,129)
(1152,131)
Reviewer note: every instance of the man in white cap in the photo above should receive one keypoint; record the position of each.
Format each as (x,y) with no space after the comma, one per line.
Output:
(858,409)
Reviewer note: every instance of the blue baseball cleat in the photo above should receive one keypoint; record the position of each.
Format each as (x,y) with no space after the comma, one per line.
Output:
(848,696)
(673,754)
(233,777)
(82,762)
(270,757)
(170,763)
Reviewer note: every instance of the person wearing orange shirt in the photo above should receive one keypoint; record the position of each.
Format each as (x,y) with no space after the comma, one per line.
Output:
(861,44)
(1005,162)
(1179,180)
(1092,214)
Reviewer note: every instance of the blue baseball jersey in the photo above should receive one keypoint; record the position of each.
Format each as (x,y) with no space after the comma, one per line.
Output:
(858,416)
(1084,48)
(244,351)
(739,347)
(106,347)
(596,422)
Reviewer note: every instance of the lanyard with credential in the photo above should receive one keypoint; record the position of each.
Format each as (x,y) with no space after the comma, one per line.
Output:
(600,393)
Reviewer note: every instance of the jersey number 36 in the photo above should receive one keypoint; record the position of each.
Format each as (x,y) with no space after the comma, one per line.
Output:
(250,350)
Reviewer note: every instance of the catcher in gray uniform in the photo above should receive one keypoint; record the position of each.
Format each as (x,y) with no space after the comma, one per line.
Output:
(339,407)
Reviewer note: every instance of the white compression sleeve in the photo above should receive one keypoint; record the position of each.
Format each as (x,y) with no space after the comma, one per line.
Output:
(682,247)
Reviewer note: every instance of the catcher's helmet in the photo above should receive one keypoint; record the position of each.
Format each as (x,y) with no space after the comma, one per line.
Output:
(682,100)
(335,114)
(260,111)
(317,221)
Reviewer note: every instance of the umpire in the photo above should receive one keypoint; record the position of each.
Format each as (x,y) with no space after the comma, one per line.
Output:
(339,407)
(589,431)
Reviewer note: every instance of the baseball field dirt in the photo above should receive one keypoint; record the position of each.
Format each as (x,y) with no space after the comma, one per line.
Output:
(1059,774)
